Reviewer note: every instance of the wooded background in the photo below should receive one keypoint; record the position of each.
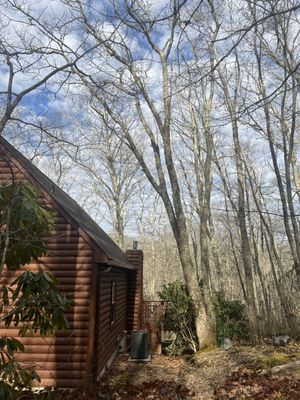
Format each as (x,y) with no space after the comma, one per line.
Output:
(174,123)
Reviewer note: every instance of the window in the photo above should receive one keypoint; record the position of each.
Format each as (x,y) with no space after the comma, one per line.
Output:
(113,299)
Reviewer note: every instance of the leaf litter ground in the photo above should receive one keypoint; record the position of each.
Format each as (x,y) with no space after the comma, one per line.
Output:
(217,374)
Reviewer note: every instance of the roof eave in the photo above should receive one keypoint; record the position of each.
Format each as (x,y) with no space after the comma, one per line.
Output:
(115,263)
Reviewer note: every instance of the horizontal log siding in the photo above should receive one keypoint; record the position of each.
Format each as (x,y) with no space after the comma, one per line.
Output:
(60,361)
(109,335)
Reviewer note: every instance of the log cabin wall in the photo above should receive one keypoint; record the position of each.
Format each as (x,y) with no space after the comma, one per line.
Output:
(87,262)
(61,360)
(111,314)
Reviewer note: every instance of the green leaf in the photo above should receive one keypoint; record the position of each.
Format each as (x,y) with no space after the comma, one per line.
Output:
(27,220)
(35,299)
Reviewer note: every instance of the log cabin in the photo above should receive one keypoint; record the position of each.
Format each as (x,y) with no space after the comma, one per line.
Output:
(103,282)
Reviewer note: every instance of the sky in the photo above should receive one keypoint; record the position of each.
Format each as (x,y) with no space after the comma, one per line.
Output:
(62,104)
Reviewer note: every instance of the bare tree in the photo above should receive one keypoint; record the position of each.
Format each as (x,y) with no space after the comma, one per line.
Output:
(114,175)
(280,116)
(196,116)
(35,58)
(161,260)
(152,113)
(202,97)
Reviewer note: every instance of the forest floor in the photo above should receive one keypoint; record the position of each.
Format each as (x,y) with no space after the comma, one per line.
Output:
(216,374)
(240,373)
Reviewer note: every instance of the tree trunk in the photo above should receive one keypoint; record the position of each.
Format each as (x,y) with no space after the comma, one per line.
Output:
(205,330)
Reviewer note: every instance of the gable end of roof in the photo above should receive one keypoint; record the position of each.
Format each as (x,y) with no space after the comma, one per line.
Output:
(71,207)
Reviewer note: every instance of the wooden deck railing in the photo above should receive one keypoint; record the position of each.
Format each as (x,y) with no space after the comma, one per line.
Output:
(153,316)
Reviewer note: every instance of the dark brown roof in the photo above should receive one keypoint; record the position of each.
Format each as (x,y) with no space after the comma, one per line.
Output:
(77,214)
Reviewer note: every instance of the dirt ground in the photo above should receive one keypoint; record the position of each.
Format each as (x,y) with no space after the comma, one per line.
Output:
(206,371)
(240,373)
